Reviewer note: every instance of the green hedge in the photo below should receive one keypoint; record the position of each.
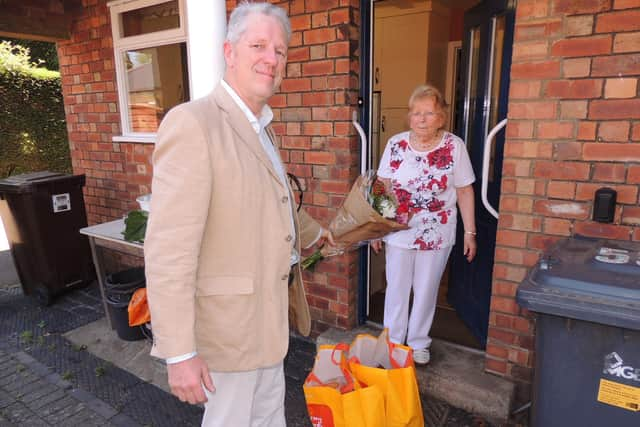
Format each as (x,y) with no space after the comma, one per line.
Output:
(33,133)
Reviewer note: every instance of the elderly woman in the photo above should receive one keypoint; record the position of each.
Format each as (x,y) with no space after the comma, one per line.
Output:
(428,169)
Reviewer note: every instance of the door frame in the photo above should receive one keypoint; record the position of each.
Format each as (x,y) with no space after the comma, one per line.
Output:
(365,119)
(470,284)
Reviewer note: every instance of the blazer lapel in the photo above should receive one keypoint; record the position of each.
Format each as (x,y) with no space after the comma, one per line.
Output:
(293,204)
(241,126)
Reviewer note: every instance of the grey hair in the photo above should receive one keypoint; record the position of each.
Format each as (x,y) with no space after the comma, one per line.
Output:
(238,19)
(428,91)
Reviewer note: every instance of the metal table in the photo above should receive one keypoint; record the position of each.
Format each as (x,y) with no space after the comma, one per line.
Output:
(108,235)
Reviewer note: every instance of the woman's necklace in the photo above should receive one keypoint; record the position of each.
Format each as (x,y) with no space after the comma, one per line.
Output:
(422,146)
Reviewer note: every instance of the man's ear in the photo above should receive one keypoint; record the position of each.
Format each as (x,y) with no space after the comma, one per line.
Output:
(227,48)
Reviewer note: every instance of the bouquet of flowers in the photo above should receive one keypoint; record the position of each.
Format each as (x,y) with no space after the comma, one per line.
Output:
(368,213)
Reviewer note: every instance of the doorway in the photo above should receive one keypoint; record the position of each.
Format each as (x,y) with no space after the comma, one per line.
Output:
(449,44)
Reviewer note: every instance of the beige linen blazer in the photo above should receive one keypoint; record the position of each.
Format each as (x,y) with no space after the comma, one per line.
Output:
(218,242)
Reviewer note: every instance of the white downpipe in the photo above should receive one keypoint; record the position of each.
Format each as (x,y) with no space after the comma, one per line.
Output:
(207,27)
(486,158)
(363,143)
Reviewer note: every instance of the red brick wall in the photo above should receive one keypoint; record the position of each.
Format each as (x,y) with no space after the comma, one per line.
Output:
(116,172)
(312,116)
(574,126)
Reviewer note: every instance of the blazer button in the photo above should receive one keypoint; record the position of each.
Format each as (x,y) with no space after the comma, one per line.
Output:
(289,238)
(285,199)
(285,276)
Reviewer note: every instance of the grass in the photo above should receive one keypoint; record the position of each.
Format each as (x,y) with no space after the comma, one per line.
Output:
(26,337)
(100,370)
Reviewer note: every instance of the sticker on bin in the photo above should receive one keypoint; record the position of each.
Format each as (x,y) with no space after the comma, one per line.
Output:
(615,393)
(614,365)
(613,256)
(620,395)
(61,202)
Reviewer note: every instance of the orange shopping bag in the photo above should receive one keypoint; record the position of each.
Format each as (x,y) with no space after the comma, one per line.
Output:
(335,399)
(139,308)
(379,362)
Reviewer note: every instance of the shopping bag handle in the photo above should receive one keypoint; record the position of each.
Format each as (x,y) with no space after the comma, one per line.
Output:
(352,384)
(342,347)
(393,361)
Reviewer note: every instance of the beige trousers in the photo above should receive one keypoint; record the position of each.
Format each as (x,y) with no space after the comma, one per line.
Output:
(246,399)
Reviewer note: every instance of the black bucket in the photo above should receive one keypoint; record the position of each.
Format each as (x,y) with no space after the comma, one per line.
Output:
(126,281)
(119,287)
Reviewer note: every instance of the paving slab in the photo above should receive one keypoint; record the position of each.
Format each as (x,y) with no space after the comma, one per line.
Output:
(132,356)
(8,274)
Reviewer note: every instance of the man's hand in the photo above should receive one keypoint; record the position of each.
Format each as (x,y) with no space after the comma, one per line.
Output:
(186,379)
(376,245)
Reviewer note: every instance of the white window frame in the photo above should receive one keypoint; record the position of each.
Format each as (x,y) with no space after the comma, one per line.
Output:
(123,44)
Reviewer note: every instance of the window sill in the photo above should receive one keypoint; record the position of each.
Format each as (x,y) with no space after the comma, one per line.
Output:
(146,139)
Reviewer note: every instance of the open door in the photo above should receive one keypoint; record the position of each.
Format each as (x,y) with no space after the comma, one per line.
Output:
(486,55)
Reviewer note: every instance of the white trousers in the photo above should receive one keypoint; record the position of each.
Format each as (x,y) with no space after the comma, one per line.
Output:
(421,271)
(246,399)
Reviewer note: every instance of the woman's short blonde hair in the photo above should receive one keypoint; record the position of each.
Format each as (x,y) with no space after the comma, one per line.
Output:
(428,91)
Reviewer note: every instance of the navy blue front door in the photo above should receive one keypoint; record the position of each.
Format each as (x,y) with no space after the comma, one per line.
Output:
(486,50)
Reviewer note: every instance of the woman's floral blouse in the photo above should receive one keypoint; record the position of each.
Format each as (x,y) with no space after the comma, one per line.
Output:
(424,183)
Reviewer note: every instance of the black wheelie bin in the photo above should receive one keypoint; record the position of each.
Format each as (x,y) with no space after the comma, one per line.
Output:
(42,213)
(586,293)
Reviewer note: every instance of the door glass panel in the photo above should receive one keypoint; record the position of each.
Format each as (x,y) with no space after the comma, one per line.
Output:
(156,81)
(472,85)
(496,83)
(159,17)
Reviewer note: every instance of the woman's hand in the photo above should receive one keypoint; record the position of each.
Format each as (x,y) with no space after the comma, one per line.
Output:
(466,201)
(326,236)
(470,246)
(376,245)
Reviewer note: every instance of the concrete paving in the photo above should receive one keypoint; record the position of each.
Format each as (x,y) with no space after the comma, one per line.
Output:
(8,275)
(132,356)
(62,365)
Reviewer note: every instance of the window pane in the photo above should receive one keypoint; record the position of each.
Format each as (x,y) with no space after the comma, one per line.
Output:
(150,19)
(472,86)
(496,84)
(157,80)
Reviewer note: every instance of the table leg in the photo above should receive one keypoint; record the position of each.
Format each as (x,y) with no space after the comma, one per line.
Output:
(96,253)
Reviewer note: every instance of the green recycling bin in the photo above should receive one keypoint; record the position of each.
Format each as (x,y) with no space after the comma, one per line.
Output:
(42,213)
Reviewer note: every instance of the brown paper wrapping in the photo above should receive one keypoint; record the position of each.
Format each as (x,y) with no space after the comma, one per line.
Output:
(357,220)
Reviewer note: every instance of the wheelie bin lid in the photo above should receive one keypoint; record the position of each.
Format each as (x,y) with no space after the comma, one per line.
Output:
(26,182)
(595,280)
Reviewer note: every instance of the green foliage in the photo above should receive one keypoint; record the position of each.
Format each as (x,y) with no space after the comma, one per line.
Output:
(26,337)
(44,53)
(33,134)
(135,226)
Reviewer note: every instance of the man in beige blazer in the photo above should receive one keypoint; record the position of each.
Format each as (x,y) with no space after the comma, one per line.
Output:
(223,235)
